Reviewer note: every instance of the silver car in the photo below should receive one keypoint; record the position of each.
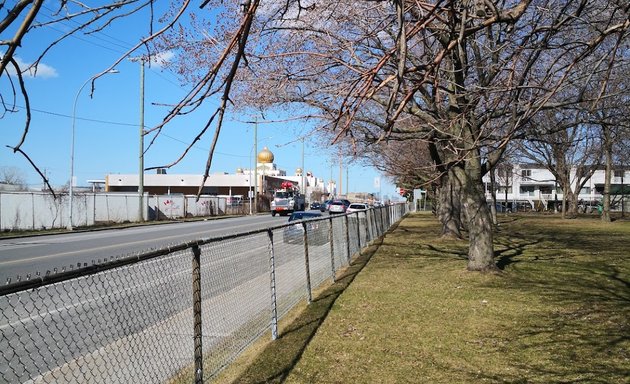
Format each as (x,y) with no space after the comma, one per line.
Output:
(356,207)
(338,206)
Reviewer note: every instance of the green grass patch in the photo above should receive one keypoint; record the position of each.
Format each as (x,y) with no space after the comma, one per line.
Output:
(559,312)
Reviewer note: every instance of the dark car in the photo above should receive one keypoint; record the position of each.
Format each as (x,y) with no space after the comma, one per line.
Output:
(315,205)
(316,231)
(338,206)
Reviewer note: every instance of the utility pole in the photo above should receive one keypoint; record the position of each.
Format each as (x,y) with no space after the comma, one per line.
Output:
(256,164)
(303,186)
(340,173)
(141,148)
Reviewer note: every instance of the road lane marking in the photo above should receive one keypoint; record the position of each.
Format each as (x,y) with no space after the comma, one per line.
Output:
(117,245)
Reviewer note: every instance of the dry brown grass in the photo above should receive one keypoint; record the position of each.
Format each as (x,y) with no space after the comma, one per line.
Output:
(558,313)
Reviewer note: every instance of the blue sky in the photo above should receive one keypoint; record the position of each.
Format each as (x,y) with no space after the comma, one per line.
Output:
(107,137)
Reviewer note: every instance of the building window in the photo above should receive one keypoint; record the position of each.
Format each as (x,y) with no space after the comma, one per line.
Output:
(528,190)
(585,191)
(619,174)
(526,173)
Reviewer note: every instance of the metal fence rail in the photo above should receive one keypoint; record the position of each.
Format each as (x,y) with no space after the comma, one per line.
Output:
(186,311)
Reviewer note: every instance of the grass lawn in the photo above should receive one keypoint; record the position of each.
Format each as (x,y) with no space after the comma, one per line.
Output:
(407,311)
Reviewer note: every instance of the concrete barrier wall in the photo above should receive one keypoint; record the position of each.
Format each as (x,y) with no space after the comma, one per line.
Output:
(39,210)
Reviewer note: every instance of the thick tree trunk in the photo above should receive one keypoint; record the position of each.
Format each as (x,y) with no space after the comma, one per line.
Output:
(572,201)
(480,228)
(449,208)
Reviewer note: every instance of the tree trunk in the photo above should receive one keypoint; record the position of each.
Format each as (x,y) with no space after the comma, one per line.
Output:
(480,229)
(493,194)
(449,207)
(609,160)
(572,202)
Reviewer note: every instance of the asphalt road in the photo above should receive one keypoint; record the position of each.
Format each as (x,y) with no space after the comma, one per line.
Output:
(135,322)
(29,255)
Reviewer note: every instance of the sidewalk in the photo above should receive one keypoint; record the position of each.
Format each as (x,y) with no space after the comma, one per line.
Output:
(407,311)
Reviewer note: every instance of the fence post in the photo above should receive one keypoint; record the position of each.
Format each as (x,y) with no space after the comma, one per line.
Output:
(309,294)
(274,304)
(372,222)
(197,335)
(347,239)
(332,248)
(358,232)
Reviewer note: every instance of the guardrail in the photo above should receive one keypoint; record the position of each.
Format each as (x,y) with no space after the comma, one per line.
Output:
(184,311)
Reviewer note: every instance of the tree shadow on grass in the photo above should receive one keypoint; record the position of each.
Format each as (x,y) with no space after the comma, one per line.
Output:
(510,251)
(278,358)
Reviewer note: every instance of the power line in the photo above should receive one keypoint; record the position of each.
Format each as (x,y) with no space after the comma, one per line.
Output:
(112,40)
(79,118)
(128,125)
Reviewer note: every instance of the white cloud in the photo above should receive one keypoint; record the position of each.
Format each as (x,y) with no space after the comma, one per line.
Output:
(159,59)
(44,71)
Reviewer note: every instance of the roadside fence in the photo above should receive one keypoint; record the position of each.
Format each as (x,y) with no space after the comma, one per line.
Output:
(174,315)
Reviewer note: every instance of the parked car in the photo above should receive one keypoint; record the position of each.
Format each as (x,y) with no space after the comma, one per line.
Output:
(500,207)
(356,207)
(338,206)
(315,205)
(317,231)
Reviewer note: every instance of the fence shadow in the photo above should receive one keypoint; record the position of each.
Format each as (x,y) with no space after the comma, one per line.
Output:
(279,357)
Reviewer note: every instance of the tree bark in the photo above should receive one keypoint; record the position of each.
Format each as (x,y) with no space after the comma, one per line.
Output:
(449,209)
(480,228)
(609,161)
(493,194)
(572,202)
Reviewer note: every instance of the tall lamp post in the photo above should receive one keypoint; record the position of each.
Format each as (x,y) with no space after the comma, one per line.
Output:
(74,119)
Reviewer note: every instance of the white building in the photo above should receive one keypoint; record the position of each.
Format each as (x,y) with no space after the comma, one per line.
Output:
(266,178)
(536,186)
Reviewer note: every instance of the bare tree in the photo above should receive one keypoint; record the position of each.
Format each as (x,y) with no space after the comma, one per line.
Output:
(612,116)
(12,176)
(470,74)
(410,165)
(25,16)
(569,148)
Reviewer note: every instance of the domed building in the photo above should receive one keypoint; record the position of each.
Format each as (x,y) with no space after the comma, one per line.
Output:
(265,156)
(264,179)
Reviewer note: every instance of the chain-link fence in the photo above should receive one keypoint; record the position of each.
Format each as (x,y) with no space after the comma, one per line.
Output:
(183,312)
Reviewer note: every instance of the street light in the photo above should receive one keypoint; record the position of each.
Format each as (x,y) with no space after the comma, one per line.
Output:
(74,118)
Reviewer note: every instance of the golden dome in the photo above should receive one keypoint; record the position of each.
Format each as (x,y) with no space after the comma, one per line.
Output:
(265,156)
(239,171)
(298,171)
